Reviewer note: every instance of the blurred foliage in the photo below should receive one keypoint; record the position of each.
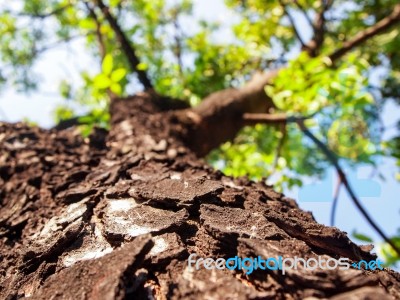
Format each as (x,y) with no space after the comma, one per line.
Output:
(189,58)
(384,250)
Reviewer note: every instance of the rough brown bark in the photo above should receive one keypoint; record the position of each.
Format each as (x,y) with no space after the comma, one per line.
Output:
(116,216)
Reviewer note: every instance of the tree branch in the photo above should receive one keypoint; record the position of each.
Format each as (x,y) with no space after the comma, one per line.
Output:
(177,48)
(126,46)
(58,43)
(254,118)
(212,119)
(291,20)
(319,29)
(364,35)
(335,162)
(46,15)
(100,40)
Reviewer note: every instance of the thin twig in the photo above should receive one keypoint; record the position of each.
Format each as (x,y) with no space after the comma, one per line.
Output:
(279,147)
(335,200)
(45,15)
(315,44)
(335,162)
(178,45)
(319,32)
(292,22)
(301,8)
(251,118)
(100,40)
(126,46)
(58,43)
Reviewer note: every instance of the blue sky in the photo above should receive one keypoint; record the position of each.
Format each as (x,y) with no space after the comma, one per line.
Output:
(379,197)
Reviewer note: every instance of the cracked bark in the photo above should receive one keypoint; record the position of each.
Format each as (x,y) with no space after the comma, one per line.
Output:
(123,210)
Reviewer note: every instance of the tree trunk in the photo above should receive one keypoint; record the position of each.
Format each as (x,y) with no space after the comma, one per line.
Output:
(117,215)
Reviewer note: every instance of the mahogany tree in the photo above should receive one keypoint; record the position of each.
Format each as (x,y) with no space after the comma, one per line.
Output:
(111,204)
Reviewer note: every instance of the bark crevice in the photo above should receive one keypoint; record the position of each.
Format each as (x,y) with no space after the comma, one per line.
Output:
(123,212)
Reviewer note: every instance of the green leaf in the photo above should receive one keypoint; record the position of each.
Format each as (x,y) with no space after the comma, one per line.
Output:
(114,3)
(87,24)
(88,119)
(86,129)
(102,81)
(65,89)
(63,112)
(142,66)
(388,253)
(107,64)
(362,237)
(116,88)
(118,74)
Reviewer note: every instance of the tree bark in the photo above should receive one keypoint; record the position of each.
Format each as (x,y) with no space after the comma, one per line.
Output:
(116,215)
